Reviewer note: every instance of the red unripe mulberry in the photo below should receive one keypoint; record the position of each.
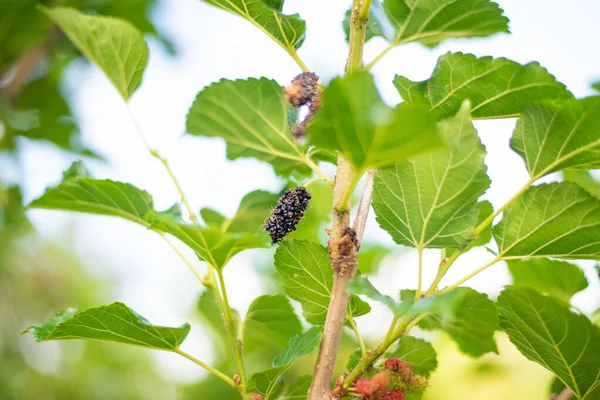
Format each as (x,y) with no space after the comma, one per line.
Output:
(395,394)
(397,365)
(380,381)
(373,387)
(363,386)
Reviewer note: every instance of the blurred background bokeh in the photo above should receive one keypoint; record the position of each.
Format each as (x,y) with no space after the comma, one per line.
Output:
(56,108)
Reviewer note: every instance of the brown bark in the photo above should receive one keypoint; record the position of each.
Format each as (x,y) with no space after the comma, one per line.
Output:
(27,63)
(566,394)
(343,240)
(343,256)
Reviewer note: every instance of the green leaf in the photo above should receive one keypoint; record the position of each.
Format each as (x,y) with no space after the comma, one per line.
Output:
(254,209)
(287,30)
(114,45)
(270,321)
(471,322)
(299,389)
(371,256)
(211,245)
(211,387)
(114,323)
(596,317)
(354,120)
(443,304)
(13,220)
(557,220)
(268,383)
(251,116)
(212,315)
(212,218)
(252,212)
(275,4)
(93,196)
(353,360)
(299,346)
(214,245)
(431,21)
(431,200)
(547,332)
(173,212)
(583,179)
(555,136)
(41,112)
(76,170)
(141,14)
(558,278)
(307,277)
(596,86)
(496,87)
(418,353)
(208,307)
(22,26)
(362,285)
(319,213)
(485,209)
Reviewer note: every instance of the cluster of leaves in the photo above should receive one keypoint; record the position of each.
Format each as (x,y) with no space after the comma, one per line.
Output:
(429,180)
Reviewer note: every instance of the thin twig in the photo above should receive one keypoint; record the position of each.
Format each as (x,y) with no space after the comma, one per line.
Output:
(361,342)
(192,215)
(566,394)
(184,258)
(360,221)
(207,367)
(472,274)
(310,182)
(27,63)
(237,348)
(418,293)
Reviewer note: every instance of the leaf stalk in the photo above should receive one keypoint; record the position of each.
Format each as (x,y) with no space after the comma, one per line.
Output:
(472,274)
(359,338)
(344,204)
(236,345)
(446,263)
(207,367)
(165,163)
(491,218)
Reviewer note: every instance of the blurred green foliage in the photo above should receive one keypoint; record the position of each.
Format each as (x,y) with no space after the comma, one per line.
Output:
(38,277)
(33,60)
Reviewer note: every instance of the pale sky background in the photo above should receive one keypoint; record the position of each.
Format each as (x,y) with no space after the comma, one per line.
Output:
(212,44)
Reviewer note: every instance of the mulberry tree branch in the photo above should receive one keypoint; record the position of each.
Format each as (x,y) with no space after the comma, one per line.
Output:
(343,251)
(343,256)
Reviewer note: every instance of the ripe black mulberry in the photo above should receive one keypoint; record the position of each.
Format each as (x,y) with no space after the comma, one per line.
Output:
(287,213)
(299,130)
(303,88)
